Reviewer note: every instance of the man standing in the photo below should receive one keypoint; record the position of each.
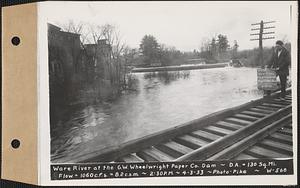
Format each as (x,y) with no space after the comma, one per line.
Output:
(280,61)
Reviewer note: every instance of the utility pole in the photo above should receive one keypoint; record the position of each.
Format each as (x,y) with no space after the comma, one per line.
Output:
(262,36)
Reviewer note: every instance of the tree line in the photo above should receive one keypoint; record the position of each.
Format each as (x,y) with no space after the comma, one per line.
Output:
(152,53)
(218,49)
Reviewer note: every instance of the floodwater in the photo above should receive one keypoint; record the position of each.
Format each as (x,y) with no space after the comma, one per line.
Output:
(158,101)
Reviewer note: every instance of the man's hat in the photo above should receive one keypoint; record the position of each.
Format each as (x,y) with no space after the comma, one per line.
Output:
(279,42)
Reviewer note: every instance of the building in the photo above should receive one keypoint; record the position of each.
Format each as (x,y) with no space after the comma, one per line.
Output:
(64,53)
(66,66)
(74,67)
(101,55)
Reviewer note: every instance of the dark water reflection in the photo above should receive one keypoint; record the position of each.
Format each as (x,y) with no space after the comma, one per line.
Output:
(156,101)
(167,77)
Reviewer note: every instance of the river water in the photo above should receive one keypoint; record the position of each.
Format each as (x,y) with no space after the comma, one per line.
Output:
(158,101)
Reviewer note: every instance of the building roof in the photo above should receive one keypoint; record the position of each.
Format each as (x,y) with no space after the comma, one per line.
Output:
(56,28)
(53,27)
(70,33)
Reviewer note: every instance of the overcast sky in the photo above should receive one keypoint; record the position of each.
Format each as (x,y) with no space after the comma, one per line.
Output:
(180,24)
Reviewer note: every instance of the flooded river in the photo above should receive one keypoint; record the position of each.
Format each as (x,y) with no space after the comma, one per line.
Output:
(159,101)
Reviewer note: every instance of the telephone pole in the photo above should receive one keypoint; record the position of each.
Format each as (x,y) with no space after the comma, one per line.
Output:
(262,35)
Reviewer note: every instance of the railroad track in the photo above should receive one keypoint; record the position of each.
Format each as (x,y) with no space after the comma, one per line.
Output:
(258,129)
(276,145)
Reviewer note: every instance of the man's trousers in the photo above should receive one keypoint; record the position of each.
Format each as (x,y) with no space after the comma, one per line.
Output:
(283,78)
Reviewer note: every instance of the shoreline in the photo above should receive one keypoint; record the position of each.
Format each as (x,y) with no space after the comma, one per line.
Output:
(178,68)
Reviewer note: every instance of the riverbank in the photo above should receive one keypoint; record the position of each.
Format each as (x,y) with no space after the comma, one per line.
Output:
(181,67)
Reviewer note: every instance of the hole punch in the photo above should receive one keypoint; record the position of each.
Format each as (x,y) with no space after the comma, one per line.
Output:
(15,143)
(15,41)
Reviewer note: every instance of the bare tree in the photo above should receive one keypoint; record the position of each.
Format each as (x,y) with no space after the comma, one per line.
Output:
(95,33)
(91,34)
(234,49)
(206,48)
(78,28)
(112,34)
(205,44)
(71,26)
